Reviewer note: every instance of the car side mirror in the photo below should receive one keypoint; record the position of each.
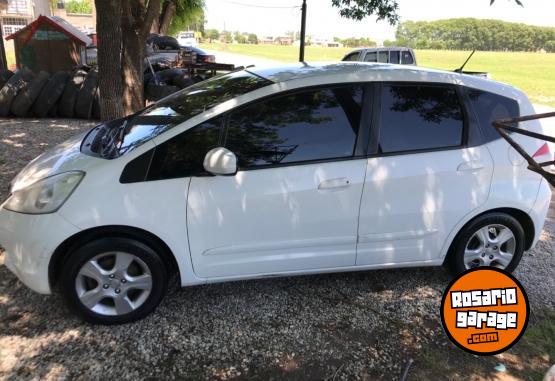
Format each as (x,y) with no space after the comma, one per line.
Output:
(220,161)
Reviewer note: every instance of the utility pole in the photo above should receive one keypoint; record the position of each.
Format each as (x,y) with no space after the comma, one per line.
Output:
(303,31)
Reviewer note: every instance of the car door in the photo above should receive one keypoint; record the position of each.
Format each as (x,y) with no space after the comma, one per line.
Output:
(422,178)
(293,204)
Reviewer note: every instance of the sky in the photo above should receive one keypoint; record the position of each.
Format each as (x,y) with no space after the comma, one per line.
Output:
(274,17)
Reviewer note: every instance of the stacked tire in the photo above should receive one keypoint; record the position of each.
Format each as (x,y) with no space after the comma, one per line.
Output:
(65,94)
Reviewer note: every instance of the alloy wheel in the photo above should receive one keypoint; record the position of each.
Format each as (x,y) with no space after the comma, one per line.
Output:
(113,283)
(491,245)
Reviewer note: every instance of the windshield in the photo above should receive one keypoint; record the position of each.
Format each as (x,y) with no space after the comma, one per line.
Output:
(173,110)
(187,35)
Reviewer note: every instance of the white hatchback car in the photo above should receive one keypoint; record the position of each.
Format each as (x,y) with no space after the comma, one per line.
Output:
(291,170)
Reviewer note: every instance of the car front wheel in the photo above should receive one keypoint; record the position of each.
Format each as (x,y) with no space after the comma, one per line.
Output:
(494,239)
(114,280)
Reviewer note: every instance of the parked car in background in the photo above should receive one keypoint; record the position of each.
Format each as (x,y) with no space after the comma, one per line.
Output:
(291,170)
(202,56)
(187,39)
(403,56)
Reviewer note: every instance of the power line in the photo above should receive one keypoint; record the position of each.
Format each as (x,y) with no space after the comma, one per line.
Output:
(261,6)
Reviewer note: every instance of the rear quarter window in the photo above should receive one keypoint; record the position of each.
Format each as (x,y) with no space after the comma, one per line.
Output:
(490,107)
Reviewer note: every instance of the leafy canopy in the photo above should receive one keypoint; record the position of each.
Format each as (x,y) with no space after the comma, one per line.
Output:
(382,9)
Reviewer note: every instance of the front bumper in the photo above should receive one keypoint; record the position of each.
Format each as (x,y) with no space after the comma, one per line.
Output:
(29,242)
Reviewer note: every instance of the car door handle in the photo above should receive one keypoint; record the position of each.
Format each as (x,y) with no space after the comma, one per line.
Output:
(471,166)
(342,182)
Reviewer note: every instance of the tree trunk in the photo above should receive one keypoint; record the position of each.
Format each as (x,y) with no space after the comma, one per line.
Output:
(136,22)
(168,11)
(109,58)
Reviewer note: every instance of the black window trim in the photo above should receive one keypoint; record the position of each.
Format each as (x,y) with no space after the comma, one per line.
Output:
(375,132)
(361,145)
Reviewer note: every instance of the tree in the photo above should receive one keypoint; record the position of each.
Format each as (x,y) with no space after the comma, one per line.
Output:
(121,52)
(177,15)
(212,34)
(252,38)
(382,9)
(109,41)
(226,37)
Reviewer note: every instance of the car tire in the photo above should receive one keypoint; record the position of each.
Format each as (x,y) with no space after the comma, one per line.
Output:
(12,87)
(77,279)
(85,97)
(66,105)
(27,96)
(50,94)
(491,226)
(4,76)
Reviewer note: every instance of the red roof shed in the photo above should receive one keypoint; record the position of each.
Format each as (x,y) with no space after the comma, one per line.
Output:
(49,43)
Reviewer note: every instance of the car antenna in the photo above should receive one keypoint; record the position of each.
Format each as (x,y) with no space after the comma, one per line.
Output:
(460,70)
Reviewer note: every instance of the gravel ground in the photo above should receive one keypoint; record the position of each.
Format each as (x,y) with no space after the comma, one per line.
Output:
(366,325)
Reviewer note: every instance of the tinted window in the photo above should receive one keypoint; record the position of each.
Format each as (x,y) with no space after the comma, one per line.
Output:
(371,57)
(351,57)
(406,58)
(312,125)
(419,117)
(183,155)
(185,104)
(394,57)
(383,57)
(490,107)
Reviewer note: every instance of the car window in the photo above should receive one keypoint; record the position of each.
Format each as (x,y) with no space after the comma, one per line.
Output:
(183,155)
(383,57)
(394,56)
(371,57)
(309,125)
(183,105)
(351,57)
(419,117)
(490,107)
(407,58)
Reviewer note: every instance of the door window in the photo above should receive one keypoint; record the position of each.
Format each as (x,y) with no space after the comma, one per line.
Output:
(305,126)
(383,57)
(394,57)
(371,57)
(183,155)
(415,117)
(490,107)
(407,58)
(351,57)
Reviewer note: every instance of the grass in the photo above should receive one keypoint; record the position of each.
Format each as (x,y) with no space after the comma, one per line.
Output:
(534,73)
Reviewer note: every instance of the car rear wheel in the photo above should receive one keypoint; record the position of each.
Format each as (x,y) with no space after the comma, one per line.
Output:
(114,281)
(494,240)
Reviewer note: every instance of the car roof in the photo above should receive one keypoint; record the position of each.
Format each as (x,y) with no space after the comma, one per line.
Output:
(338,72)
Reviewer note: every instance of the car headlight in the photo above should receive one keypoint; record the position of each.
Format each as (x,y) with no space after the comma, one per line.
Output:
(46,195)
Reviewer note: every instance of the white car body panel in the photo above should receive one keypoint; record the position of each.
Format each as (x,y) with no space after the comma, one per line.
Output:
(409,205)
(291,218)
(409,221)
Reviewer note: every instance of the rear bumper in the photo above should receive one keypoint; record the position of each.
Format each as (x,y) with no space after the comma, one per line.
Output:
(29,242)
(539,211)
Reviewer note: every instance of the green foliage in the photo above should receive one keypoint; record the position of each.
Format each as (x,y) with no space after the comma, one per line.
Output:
(189,15)
(79,6)
(359,9)
(354,42)
(240,38)
(470,33)
(211,34)
(226,36)
(252,38)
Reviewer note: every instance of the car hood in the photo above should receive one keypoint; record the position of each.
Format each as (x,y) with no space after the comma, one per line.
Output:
(64,157)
